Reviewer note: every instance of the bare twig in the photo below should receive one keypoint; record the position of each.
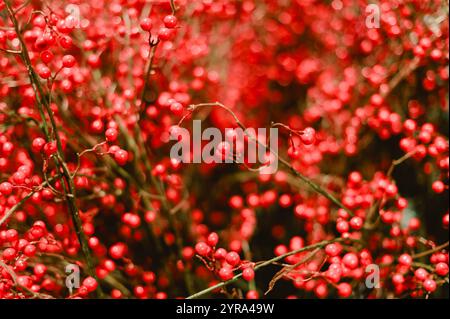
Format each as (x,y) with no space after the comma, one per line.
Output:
(317,188)
(264,264)
(43,103)
(431,251)
(287,269)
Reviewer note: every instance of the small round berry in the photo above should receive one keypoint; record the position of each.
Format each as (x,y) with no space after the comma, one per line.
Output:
(39,270)
(176,108)
(233,258)
(429,285)
(309,136)
(414,224)
(248,274)
(398,279)
(405,260)
(344,290)
(438,187)
(38,144)
(350,260)
(6,188)
(442,269)
(90,283)
(7,148)
(355,178)
(44,72)
(68,61)
(445,219)
(116,294)
(252,294)
(121,157)
(225,273)
(164,34)
(111,134)
(202,249)
(356,222)
(146,24)
(170,21)
(410,125)
(9,254)
(333,249)
(47,56)
(150,216)
(117,251)
(421,274)
(213,239)
(29,250)
(65,42)
(220,254)
(50,148)
(342,226)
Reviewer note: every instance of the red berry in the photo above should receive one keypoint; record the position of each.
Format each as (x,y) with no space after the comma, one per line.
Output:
(9,254)
(233,258)
(68,61)
(220,254)
(252,294)
(50,148)
(350,260)
(342,226)
(6,188)
(429,285)
(333,249)
(445,219)
(442,269)
(176,108)
(111,134)
(421,274)
(202,249)
(39,270)
(121,157)
(170,21)
(38,144)
(146,24)
(164,34)
(309,136)
(213,239)
(117,251)
(405,260)
(344,290)
(248,274)
(356,222)
(438,187)
(90,283)
(65,42)
(29,250)
(47,56)
(225,273)
(44,72)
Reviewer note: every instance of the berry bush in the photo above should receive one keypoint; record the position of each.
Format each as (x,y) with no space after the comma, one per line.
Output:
(91,91)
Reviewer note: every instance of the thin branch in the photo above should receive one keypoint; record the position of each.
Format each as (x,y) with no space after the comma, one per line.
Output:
(69,187)
(287,269)
(431,251)
(376,207)
(173,7)
(24,199)
(264,264)
(10,51)
(15,280)
(399,161)
(305,179)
